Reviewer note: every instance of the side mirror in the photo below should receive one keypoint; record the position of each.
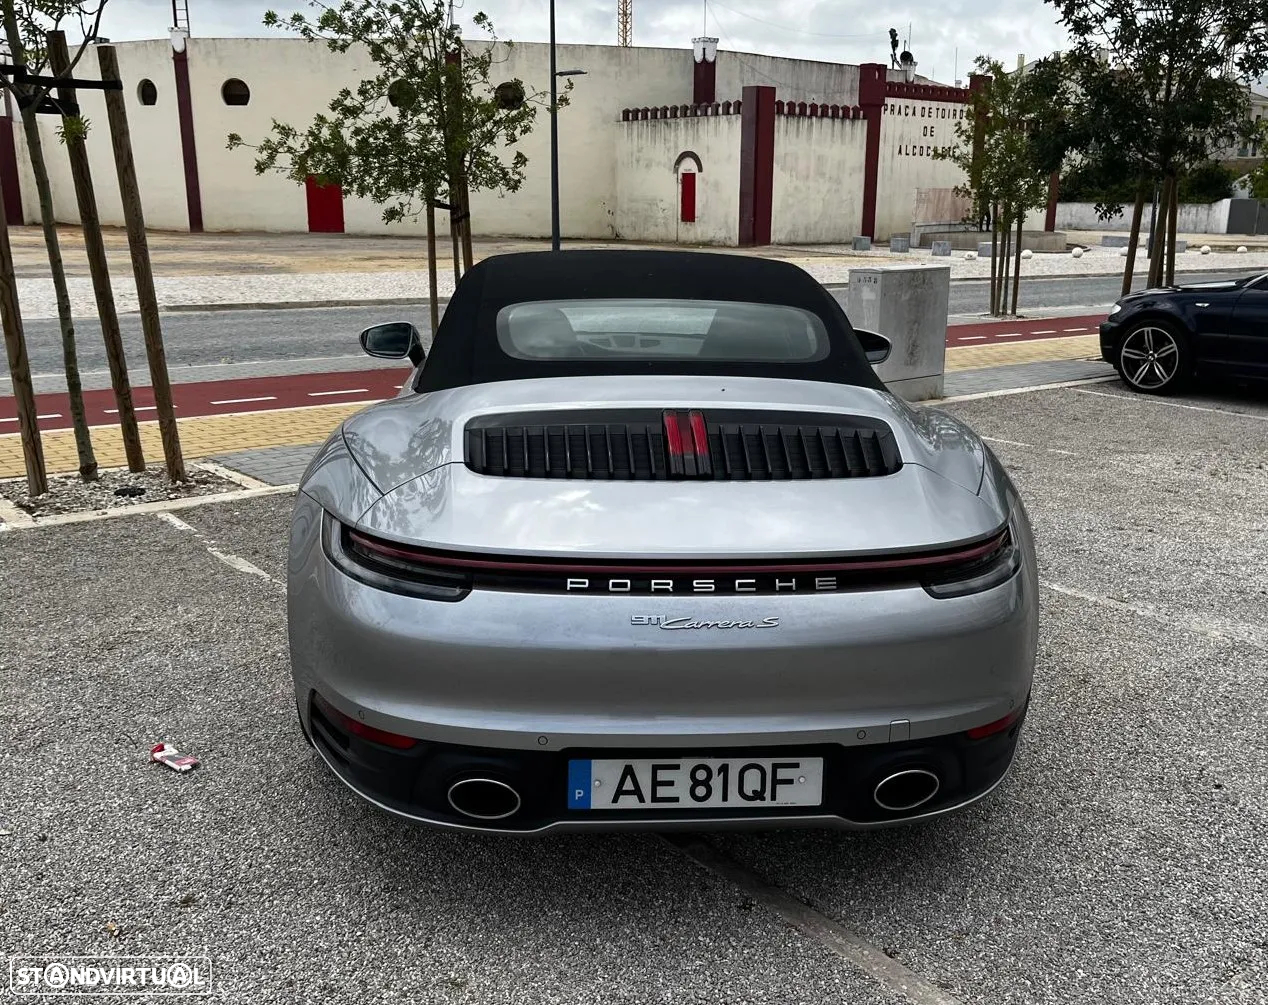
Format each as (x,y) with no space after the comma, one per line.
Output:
(875,347)
(395,340)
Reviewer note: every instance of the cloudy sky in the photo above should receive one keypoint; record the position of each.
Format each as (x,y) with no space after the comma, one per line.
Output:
(945,34)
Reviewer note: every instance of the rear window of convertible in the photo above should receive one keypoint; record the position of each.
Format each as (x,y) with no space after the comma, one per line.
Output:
(646,329)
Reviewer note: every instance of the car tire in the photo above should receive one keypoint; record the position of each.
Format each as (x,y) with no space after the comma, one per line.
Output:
(1153,357)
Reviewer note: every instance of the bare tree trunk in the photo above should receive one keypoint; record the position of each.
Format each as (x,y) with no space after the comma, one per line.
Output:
(994,257)
(1160,242)
(142,271)
(1006,239)
(1021,222)
(81,174)
(1133,241)
(431,262)
(70,357)
(20,366)
(1173,210)
(454,237)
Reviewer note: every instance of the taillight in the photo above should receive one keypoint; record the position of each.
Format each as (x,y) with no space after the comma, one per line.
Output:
(359,728)
(386,565)
(998,726)
(980,574)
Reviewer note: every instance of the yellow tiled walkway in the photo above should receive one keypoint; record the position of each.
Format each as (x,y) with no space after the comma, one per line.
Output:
(207,436)
(202,436)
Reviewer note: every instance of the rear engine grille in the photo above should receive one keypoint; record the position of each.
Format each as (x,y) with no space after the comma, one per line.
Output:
(651,446)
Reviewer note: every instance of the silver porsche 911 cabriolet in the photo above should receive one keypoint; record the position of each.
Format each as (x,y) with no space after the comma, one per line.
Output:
(644,542)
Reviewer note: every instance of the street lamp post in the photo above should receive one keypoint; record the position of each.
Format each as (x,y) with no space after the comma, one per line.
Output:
(554,133)
(554,140)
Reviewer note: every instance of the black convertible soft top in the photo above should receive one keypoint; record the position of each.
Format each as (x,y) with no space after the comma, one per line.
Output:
(466,350)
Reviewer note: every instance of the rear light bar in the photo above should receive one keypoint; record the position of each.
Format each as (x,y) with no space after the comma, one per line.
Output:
(998,726)
(436,575)
(358,728)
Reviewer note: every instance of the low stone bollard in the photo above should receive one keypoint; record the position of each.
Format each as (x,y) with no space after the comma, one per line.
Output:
(983,249)
(902,244)
(862,244)
(1115,240)
(941,249)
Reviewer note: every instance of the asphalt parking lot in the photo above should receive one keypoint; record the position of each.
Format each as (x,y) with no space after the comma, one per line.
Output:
(1124,860)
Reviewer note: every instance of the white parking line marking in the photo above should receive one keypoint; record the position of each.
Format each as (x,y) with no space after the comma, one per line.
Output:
(321,394)
(235,562)
(243,401)
(1142,400)
(1215,628)
(883,969)
(51,415)
(1044,331)
(1011,335)
(14,419)
(135,408)
(971,338)
(1074,329)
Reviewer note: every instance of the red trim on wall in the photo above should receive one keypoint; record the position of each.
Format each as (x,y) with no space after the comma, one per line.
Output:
(189,152)
(325,207)
(872,90)
(757,164)
(924,92)
(704,82)
(687,197)
(9,174)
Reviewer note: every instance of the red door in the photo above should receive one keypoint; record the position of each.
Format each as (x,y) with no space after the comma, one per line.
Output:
(325,207)
(687,212)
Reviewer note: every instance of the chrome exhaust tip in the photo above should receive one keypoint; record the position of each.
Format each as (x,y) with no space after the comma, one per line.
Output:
(484,798)
(906,790)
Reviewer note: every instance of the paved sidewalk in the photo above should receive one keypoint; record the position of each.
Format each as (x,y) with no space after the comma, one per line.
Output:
(227,270)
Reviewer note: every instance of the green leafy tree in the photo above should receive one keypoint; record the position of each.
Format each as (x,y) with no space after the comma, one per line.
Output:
(1011,142)
(1162,86)
(428,122)
(26,27)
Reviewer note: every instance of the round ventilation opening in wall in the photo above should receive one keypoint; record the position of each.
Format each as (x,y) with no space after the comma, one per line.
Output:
(235,92)
(146,92)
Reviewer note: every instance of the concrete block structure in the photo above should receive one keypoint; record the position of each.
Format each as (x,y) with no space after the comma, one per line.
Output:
(908,305)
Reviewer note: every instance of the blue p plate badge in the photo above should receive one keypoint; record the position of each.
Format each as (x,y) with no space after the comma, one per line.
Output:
(579,785)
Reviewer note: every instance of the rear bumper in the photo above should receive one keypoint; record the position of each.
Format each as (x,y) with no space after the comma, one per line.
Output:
(1109,332)
(414,784)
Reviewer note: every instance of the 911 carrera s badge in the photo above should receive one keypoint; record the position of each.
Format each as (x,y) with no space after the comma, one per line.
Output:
(676,624)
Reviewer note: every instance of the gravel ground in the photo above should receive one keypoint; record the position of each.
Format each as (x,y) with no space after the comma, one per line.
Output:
(1125,859)
(114,488)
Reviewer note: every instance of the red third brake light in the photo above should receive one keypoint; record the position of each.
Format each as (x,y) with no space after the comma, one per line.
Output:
(998,726)
(358,728)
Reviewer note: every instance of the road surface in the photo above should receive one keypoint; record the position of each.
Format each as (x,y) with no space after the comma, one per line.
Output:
(237,336)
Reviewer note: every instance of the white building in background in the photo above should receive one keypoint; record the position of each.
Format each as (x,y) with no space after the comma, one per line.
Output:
(675,145)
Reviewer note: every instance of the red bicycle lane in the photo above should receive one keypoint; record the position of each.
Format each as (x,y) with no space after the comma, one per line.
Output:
(259,394)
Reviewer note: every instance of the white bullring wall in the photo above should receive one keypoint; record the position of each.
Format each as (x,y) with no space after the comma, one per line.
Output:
(155,140)
(910,131)
(793,79)
(648,209)
(817,193)
(818,171)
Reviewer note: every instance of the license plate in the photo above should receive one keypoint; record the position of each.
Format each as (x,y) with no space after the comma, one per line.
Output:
(695,783)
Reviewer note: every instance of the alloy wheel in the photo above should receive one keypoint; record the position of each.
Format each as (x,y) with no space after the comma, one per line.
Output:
(1150,357)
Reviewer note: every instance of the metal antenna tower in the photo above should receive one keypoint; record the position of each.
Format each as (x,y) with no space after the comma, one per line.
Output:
(625,22)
